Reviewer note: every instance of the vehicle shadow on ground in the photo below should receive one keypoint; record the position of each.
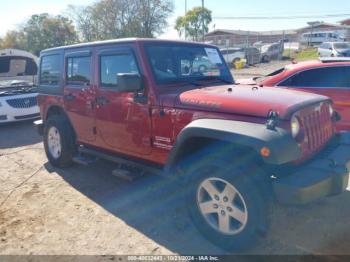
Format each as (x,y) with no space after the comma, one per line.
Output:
(156,208)
(18,134)
(150,205)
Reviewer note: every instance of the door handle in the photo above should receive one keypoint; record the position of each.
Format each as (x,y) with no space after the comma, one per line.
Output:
(101,101)
(69,97)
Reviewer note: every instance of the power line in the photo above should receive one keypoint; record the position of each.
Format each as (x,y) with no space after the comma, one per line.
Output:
(278,17)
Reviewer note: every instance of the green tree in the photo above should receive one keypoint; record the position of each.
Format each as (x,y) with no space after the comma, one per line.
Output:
(192,23)
(44,31)
(13,39)
(108,19)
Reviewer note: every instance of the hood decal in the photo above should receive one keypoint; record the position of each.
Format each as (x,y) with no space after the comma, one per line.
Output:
(245,100)
(193,101)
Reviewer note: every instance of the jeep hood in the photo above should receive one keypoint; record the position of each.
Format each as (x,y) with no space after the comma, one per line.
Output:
(247,100)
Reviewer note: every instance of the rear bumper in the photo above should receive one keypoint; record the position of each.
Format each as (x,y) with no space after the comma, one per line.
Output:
(327,175)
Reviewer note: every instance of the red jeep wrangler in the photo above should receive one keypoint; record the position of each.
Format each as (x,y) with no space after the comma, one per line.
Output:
(172,108)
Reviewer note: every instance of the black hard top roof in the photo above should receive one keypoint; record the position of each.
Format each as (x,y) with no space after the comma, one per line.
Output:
(122,40)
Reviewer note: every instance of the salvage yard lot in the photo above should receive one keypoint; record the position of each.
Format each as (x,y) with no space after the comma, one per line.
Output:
(86,210)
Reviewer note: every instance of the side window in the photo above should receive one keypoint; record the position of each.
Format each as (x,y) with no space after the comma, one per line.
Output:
(50,70)
(78,70)
(112,65)
(329,77)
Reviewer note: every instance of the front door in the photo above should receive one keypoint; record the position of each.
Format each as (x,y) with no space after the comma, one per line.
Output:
(78,94)
(123,124)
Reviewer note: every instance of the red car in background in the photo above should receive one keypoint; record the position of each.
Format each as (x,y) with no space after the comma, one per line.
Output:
(329,77)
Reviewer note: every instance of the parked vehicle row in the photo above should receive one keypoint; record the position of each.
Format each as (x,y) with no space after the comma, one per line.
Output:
(229,149)
(232,55)
(18,71)
(334,49)
(259,53)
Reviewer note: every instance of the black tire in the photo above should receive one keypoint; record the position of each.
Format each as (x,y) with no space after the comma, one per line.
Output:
(67,141)
(256,202)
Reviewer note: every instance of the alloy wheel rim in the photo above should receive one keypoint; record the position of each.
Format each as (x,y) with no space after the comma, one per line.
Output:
(222,206)
(54,142)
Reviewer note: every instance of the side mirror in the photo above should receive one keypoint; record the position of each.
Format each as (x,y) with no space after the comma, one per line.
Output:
(129,82)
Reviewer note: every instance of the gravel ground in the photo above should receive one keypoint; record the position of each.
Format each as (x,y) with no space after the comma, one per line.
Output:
(259,69)
(86,210)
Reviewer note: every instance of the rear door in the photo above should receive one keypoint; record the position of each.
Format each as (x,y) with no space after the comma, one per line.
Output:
(333,82)
(79,94)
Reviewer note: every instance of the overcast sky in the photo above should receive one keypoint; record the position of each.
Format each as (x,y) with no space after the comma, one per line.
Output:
(14,12)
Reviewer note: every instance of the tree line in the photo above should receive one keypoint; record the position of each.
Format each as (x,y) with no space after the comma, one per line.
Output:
(103,20)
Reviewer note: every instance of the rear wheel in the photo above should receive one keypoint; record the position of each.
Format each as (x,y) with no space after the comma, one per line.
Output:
(59,141)
(227,206)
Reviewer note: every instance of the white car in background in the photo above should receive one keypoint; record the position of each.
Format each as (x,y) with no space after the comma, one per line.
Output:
(18,99)
(334,49)
(232,55)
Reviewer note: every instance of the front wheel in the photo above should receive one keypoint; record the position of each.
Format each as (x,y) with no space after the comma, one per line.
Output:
(228,208)
(59,141)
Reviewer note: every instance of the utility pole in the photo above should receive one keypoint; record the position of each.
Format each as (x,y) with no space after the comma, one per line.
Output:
(185,15)
(203,20)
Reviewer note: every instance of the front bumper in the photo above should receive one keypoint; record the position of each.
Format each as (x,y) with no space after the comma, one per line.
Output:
(13,114)
(326,175)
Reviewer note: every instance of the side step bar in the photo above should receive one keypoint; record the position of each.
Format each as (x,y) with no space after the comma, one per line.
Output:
(85,161)
(120,160)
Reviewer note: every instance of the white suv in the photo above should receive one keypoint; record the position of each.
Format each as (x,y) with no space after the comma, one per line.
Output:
(18,99)
(334,49)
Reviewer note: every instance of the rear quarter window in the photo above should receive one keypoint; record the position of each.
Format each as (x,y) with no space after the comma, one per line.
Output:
(50,70)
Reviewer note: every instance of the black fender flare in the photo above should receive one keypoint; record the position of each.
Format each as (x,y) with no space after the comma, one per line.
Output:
(283,148)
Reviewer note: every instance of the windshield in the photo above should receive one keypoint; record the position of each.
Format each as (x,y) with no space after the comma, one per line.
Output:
(173,63)
(341,46)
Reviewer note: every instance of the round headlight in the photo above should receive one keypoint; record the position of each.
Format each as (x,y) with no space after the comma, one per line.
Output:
(295,126)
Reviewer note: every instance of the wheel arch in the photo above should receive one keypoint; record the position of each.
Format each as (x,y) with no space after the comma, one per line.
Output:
(55,110)
(226,136)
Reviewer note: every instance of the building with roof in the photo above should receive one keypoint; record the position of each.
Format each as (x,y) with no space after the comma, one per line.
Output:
(345,22)
(229,38)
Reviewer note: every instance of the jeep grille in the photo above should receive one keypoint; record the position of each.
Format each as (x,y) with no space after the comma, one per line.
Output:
(318,127)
